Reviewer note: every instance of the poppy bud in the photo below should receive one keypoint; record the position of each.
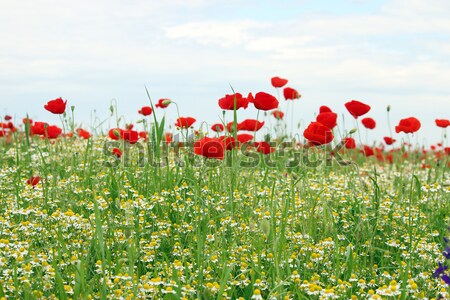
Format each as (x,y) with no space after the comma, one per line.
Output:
(388,108)
(166,102)
(163,103)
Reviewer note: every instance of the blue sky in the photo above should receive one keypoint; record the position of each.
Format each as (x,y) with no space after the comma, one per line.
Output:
(390,52)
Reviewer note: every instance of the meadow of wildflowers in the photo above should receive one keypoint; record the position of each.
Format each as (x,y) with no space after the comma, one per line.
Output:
(215,212)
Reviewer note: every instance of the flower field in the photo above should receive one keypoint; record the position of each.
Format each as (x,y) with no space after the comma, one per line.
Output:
(216,212)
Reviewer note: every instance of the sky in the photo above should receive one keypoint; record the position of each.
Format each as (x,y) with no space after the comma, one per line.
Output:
(94,53)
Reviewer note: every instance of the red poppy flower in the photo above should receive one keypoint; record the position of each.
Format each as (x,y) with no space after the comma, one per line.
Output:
(57,106)
(218,127)
(318,134)
(328,119)
(278,82)
(163,103)
(379,156)
(369,123)
(250,98)
(145,111)
(117,152)
(129,135)
(8,117)
(350,143)
(27,121)
(356,108)
(33,180)
(185,122)
(444,123)
(244,138)
(324,108)
(264,147)
(11,126)
(227,102)
(143,135)
(38,128)
(8,125)
(265,101)
(408,125)
(83,133)
(52,132)
(389,158)
(250,125)
(3,127)
(290,93)
(367,151)
(115,133)
(210,148)
(388,140)
(230,126)
(278,114)
(229,142)
(168,138)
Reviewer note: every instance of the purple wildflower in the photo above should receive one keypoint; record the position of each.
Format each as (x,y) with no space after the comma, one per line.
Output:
(447,252)
(440,270)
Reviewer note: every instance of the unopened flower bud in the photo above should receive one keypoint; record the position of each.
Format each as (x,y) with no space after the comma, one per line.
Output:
(166,102)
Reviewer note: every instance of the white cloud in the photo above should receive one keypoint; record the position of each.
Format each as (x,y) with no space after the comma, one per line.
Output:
(220,33)
(431,8)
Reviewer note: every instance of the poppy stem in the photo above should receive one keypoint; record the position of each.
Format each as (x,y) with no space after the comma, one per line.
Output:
(359,131)
(367,136)
(292,119)
(256,126)
(389,121)
(63,126)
